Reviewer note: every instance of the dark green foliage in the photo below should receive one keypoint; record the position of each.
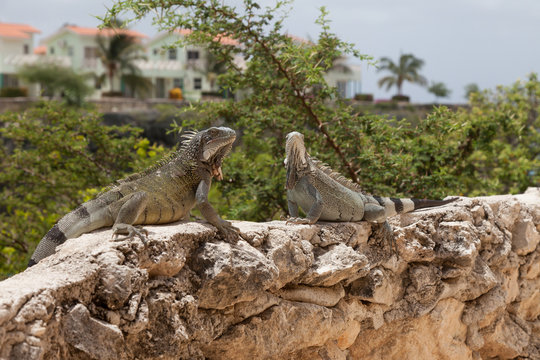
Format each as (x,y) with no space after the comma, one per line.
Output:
(54,158)
(400,98)
(502,138)
(13,92)
(363,97)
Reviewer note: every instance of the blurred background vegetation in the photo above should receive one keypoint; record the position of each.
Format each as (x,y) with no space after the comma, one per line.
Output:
(55,155)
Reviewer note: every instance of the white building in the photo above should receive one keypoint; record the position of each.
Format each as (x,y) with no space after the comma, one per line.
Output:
(79,46)
(346,78)
(16,48)
(167,65)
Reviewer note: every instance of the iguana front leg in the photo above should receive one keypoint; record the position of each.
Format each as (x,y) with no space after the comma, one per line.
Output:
(127,215)
(314,212)
(230,232)
(293,208)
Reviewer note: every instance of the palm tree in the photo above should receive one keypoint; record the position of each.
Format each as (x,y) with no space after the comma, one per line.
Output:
(439,89)
(470,89)
(118,54)
(406,70)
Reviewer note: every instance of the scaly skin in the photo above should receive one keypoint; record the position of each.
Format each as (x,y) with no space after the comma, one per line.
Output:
(162,194)
(326,195)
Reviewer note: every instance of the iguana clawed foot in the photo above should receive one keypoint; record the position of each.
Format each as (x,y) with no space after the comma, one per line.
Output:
(130,231)
(230,233)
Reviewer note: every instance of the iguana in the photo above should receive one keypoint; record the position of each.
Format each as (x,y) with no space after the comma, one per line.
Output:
(328,196)
(161,194)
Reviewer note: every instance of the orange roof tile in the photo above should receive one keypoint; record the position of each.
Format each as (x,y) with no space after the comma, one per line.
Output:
(299,39)
(40,50)
(103,32)
(21,31)
(183,31)
(225,40)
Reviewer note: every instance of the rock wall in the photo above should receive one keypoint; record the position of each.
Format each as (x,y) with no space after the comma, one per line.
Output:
(466,285)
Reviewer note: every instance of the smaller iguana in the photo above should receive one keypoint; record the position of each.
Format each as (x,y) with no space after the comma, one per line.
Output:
(326,195)
(161,194)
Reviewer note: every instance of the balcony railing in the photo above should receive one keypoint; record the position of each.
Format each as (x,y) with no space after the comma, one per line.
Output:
(11,63)
(91,63)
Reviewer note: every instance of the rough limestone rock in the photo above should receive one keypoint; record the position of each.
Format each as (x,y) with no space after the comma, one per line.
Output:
(466,285)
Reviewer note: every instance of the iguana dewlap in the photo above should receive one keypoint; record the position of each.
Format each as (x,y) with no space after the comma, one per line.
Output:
(162,194)
(326,195)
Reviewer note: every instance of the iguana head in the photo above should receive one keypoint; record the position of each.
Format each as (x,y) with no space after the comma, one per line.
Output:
(297,158)
(210,147)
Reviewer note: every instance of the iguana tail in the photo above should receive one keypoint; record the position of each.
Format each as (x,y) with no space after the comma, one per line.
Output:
(394,206)
(87,217)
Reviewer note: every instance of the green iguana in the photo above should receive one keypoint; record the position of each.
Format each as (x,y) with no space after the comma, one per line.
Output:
(326,195)
(161,194)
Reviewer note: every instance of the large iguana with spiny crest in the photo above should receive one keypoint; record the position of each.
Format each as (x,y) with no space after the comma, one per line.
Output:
(161,194)
(328,196)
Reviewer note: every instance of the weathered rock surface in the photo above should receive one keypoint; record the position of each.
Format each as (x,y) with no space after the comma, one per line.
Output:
(466,285)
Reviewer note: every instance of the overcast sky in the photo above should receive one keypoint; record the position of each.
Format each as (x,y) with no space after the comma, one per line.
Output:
(487,42)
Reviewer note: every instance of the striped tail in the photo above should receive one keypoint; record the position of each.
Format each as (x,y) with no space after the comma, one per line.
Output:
(89,216)
(48,244)
(426,203)
(394,206)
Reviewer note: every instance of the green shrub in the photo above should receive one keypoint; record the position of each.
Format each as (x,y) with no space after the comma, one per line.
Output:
(363,97)
(112,94)
(53,158)
(400,98)
(13,92)
(216,94)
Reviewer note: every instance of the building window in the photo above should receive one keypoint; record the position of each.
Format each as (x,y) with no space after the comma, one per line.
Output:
(9,80)
(193,54)
(51,50)
(160,88)
(156,51)
(70,50)
(178,83)
(197,83)
(90,52)
(342,89)
(26,49)
(172,54)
